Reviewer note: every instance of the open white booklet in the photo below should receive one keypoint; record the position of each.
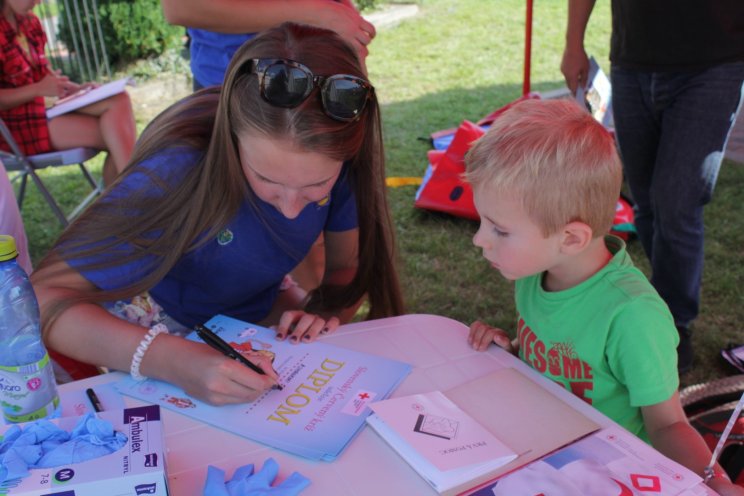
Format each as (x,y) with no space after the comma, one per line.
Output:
(87,96)
(439,440)
(495,424)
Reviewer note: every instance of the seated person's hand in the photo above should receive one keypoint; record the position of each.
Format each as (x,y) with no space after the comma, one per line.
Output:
(297,325)
(481,335)
(70,89)
(55,84)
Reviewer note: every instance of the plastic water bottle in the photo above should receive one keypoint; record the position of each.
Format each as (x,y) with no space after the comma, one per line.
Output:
(27,387)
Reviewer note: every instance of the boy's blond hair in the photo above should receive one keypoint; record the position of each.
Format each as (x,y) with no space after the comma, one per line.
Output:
(553,155)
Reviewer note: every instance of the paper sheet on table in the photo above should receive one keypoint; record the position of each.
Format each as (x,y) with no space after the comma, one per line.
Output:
(610,461)
(327,390)
(527,417)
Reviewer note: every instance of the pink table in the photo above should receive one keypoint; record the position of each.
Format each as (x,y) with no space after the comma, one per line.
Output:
(441,359)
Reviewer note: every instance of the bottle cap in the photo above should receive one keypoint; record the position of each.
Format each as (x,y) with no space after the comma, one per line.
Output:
(7,248)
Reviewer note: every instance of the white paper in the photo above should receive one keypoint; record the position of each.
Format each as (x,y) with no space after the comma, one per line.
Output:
(610,461)
(438,439)
(87,97)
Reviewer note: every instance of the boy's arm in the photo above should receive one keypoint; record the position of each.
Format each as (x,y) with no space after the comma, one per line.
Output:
(672,435)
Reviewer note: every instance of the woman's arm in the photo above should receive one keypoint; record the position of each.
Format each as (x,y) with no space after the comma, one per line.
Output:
(53,84)
(89,333)
(251,16)
(341,262)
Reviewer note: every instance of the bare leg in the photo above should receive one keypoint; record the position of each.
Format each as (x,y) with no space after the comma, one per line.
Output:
(106,125)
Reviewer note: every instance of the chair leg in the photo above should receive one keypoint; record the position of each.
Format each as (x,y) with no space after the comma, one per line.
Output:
(48,197)
(93,183)
(22,189)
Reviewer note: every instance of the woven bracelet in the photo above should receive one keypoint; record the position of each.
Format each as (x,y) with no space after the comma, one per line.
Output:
(134,369)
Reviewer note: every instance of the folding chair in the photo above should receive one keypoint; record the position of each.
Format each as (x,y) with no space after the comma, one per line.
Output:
(26,166)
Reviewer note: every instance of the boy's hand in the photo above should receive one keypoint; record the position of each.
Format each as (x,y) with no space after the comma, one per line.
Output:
(481,335)
(725,487)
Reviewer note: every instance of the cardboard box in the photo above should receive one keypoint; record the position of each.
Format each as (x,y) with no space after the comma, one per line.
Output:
(138,468)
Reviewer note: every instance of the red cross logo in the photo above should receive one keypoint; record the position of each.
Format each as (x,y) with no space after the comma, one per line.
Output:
(649,483)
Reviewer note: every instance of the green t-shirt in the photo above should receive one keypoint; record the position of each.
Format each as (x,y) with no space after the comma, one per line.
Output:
(610,340)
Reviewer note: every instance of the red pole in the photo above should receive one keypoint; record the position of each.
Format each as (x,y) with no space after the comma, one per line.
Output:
(527,49)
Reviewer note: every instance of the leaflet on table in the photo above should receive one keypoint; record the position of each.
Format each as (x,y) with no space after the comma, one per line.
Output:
(327,390)
(526,418)
(439,440)
(610,461)
(86,96)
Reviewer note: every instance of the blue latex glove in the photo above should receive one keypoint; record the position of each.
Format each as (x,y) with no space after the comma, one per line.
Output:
(42,444)
(245,483)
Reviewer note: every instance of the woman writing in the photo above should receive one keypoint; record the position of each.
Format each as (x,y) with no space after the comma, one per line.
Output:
(26,78)
(226,192)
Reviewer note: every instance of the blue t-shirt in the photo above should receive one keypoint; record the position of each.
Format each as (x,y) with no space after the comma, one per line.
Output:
(211,53)
(239,271)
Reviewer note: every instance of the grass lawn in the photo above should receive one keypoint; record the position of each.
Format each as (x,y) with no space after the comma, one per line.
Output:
(461,59)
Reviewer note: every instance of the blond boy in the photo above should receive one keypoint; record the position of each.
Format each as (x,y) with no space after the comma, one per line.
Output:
(546,178)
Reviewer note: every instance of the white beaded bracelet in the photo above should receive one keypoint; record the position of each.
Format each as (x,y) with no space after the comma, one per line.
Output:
(142,348)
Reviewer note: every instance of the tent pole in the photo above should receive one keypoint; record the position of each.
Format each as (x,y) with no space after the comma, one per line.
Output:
(527,48)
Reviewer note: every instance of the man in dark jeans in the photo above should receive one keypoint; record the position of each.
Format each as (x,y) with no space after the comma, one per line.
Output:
(677,73)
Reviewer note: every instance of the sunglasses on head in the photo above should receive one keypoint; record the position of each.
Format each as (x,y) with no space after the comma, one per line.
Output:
(286,83)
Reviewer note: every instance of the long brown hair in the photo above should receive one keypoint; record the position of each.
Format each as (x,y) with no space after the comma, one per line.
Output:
(209,195)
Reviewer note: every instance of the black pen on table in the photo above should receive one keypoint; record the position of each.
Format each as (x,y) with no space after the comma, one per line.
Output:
(223,347)
(93,397)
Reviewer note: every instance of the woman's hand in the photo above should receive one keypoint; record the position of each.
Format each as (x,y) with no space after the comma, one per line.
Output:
(481,335)
(56,84)
(298,325)
(207,374)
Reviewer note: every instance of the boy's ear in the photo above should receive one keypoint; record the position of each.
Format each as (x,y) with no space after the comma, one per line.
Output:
(576,236)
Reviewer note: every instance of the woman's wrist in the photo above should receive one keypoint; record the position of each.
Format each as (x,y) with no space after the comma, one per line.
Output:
(144,345)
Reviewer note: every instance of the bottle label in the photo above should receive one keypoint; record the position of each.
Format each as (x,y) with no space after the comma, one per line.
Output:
(28,392)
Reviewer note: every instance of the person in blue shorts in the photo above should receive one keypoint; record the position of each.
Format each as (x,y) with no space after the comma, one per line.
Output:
(217,29)
(226,192)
